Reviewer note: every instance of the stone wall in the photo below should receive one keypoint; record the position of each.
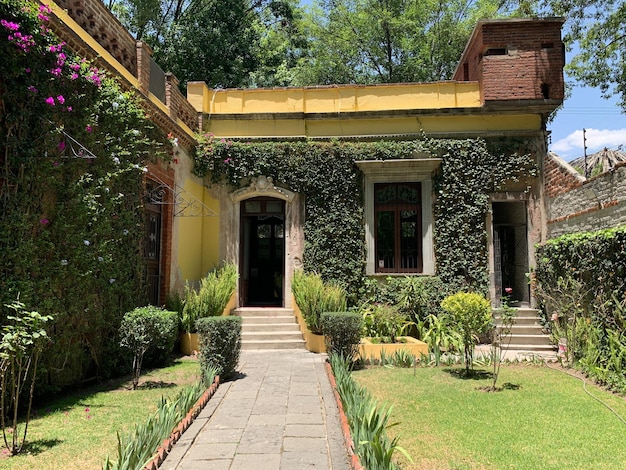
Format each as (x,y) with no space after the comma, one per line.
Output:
(579,205)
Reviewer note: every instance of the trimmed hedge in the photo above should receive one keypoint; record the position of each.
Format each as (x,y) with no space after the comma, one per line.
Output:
(220,344)
(342,333)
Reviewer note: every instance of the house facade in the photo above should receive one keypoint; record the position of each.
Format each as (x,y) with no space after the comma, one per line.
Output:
(508,81)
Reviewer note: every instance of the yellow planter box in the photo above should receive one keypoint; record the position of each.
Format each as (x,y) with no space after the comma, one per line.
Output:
(369,350)
(314,343)
(189,343)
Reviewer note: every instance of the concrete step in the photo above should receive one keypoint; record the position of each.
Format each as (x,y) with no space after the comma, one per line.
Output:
(529,347)
(528,339)
(263,312)
(269,327)
(526,330)
(270,344)
(271,320)
(527,333)
(273,335)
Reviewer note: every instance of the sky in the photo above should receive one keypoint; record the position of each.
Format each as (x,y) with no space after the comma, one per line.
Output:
(603,120)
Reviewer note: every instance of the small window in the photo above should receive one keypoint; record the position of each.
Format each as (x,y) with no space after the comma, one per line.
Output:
(398,218)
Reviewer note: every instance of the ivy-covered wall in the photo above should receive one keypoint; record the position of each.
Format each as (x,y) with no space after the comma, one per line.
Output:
(73,149)
(326,174)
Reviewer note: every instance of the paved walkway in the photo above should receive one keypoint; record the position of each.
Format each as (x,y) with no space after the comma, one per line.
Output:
(278,414)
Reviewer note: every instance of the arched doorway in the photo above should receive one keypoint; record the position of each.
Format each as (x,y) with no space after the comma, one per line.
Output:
(262,252)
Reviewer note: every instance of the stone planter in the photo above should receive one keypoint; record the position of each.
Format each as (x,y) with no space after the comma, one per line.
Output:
(314,343)
(189,343)
(369,350)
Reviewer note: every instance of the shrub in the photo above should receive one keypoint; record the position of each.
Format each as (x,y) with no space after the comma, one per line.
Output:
(384,321)
(212,296)
(23,339)
(342,333)
(314,296)
(470,315)
(147,328)
(220,344)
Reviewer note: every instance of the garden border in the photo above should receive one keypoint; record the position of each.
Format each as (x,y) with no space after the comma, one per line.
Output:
(355,463)
(166,446)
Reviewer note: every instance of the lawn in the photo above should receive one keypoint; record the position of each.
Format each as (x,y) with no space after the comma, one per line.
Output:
(543,419)
(79,430)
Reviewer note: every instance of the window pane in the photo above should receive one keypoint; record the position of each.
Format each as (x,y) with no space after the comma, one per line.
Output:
(409,193)
(385,193)
(385,239)
(274,207)
(252,207)
(409,254)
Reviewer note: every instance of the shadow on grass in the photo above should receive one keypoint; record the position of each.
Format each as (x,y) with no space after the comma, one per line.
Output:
(40,445)
(151,384)
(471,374)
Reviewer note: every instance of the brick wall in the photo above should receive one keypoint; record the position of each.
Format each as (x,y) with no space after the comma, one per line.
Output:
(94,17)
(559,177)
(595,204)
(515,60)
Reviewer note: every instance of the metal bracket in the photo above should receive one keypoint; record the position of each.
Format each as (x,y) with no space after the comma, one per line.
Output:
(185,204)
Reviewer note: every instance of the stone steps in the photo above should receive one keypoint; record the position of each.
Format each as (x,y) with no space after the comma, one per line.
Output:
(527,335)
(269,328)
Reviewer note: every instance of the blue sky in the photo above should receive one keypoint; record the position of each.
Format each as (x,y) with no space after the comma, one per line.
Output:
(585,108)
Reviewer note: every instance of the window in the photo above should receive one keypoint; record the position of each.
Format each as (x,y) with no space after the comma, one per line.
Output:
(398,216)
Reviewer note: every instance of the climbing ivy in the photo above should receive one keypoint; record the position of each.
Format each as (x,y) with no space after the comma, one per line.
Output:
(73,145)
(326,174)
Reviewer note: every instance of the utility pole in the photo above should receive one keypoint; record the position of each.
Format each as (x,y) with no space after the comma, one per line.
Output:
(585,150)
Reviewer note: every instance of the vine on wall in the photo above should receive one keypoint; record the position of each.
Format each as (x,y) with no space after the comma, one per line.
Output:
(326,173)
(73,146)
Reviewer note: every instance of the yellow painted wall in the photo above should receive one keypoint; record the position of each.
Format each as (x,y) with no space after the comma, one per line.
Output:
(198,237)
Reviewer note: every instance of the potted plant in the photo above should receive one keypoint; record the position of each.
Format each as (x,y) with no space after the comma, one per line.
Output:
(208,300)
(313,297)
(384,328)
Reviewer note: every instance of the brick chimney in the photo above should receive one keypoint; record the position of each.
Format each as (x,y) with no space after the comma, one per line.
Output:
(515,59)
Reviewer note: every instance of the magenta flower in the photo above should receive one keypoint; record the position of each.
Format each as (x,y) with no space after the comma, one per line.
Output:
(50,100)
(10,25)
(89,128)
(508,290)
(75,67)
(60,99)
(27,70)
(74,76)
(70,109)
(56,72)
(61,146)
(44,221)
(32,89)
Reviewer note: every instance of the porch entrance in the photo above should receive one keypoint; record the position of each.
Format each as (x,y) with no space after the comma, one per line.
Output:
(510,239)
(262,253)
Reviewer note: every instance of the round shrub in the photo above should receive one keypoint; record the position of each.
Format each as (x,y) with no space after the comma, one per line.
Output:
(220,344)
(342,333)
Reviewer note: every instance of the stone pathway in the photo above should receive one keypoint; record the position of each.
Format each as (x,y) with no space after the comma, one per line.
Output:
(278,414)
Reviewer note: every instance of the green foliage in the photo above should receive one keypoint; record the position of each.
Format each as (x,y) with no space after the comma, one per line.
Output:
(215,291)
(438,332)
(74,145)
(367,420)
(147,328)
(333,229)
(470,315)
(581,280)
(23,339)
(383,321)
(342,333)
(135,450)
(315,297)
(595,27)
(220,344)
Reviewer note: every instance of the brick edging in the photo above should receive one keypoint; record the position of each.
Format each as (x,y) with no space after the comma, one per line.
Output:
(355,463)
(166,446)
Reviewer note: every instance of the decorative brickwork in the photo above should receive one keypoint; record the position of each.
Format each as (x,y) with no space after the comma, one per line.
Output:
(95,18)
(515,60)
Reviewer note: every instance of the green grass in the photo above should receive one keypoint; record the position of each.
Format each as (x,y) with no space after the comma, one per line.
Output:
(542,420)
(79,430)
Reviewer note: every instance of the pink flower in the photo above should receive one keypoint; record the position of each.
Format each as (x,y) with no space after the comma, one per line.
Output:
(32,89)
(74,76)
(508,290)
(44,221)
(10,25)
(70,109)
(89,128)
(75,67)
(87,410)
(555,317)
(27,70)
(50,100)
(44,9)
(60,99)
(56,72)
(61,146)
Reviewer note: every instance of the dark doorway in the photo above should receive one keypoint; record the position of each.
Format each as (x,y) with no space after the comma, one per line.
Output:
(262,260)
(152,247)
(510,240)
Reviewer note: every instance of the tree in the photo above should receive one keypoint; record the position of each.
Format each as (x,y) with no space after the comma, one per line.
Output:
(226,43)
(386,41)
(598,29)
